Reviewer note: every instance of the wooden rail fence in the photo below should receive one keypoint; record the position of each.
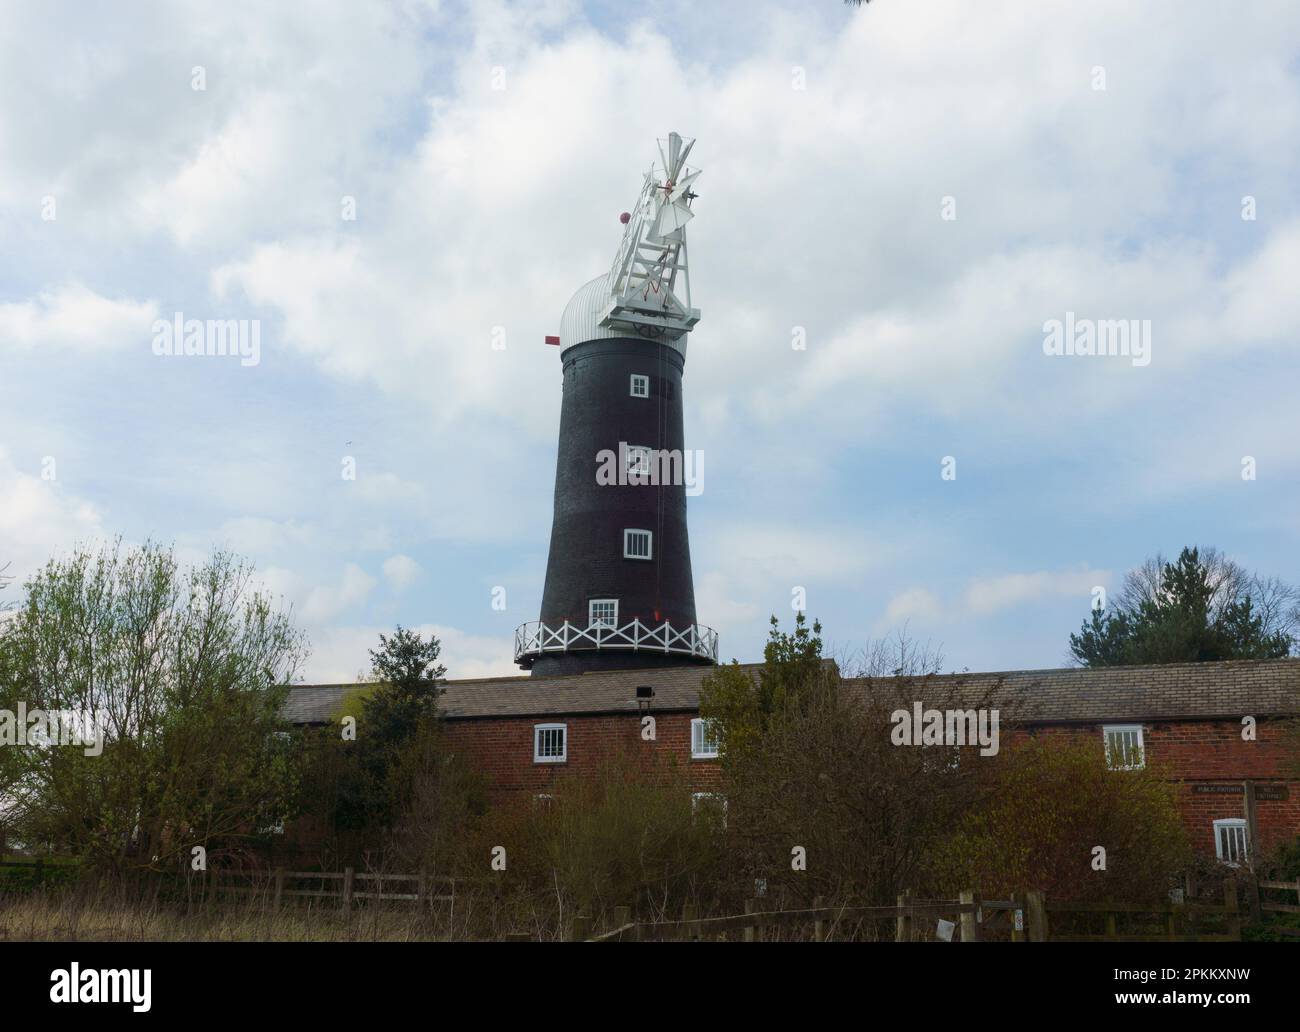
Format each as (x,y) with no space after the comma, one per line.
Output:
(1178,921)
(344,887)
(1262,905)
(906,917)
(1028,917)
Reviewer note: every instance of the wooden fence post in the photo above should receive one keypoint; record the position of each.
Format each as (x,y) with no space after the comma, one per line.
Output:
(751,907)
(970,926)
(690,913)
(1252,832)
(903,923)
(347,888)
(279,886)
(1036,929)
(1230,908)
(1252,899)
(819,926)
(1017,907)
(580,928)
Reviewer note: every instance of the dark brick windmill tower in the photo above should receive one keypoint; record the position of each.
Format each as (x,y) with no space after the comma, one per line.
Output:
(618,582)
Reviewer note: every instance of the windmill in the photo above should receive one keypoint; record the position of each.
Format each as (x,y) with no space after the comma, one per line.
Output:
(619,591)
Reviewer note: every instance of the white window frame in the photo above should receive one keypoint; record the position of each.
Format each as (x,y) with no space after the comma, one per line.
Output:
(538,730)
(639,455)
(700,744)
(649,544)
(591,612)
(1231,825)
(642,381)
(1109,729)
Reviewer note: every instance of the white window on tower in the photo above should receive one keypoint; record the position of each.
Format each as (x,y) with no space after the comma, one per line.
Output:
(640,386)
(602,612)
(1124,749)
(704,739)
(1231,843)
(638,544)
(638,460)
(550,743)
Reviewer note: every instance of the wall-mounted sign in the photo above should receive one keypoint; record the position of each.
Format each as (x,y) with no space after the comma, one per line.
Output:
(1261,791)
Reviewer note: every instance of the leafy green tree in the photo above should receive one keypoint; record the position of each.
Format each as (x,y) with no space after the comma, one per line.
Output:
(1199,608)
(407,674)
(743,707)
(401,707)
(182,672)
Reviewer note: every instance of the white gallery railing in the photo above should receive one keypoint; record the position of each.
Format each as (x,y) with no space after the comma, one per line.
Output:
(536,638)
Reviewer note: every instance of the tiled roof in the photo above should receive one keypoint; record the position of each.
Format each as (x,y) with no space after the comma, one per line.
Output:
(603,691)
(1179,690)
(1134,693)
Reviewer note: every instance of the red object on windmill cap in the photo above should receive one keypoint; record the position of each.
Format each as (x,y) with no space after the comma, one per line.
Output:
(625,218)
(552,340)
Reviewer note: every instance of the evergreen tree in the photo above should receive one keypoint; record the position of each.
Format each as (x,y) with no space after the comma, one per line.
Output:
(1198,608)
(402,706)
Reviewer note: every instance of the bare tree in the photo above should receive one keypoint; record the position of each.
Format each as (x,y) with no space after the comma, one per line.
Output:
(1230,583)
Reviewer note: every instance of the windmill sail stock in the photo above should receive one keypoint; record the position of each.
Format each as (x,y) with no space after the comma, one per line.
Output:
(649,280)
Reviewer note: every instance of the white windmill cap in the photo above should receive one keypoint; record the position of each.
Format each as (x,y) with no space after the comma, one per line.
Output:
(581,319)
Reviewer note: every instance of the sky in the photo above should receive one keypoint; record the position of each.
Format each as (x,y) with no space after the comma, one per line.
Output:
(913,191)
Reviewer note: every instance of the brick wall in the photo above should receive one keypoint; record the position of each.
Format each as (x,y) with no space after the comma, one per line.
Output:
(1211,753)
(502,748)
(1205,753)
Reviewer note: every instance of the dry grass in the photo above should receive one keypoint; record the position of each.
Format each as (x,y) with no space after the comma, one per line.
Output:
(69,918)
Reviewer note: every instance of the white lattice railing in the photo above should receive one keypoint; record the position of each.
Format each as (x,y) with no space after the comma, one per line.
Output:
(537,638)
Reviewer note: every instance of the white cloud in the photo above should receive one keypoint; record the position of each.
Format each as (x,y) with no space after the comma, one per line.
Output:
(40,519)
(74,317)
(990,594)
(342,655)
(917,604)
(322,603)
(401,571)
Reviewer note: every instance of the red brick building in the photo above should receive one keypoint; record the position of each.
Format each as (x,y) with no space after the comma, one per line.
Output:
(1218,728)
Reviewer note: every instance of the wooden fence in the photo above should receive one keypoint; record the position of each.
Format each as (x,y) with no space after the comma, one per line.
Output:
(1261,904)
(344,887)
(38,872)
(1175,921)
(751,924)
(1027,917)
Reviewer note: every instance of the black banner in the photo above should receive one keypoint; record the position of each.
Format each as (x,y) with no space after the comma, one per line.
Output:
(166,982)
